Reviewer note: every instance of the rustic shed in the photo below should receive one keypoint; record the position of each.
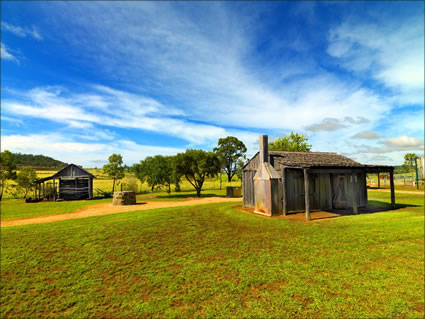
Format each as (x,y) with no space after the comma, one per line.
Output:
(70,183)
(312,180)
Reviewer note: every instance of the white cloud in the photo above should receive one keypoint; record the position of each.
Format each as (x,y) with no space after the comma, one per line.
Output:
(392,52)
(6,55)
(404,142)
(396,144)
(64,148)
(368,135)
(22,31)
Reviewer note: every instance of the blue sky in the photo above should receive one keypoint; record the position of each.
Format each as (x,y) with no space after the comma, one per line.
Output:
(80,80)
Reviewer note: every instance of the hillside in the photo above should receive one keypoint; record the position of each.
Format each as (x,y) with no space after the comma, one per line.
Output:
(37,161)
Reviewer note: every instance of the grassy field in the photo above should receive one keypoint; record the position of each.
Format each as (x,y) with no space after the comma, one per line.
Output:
(214,261)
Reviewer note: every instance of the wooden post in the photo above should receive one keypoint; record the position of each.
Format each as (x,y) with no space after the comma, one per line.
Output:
(90,188)
(365,188)
(54,190)
(44,190)
(354,193)
(379,181)
(392,189)
(307,194)
(35,191)
(284,204)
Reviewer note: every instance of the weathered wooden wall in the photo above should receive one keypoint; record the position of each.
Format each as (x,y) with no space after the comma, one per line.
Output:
(74,189)
(326,189)
(248,188)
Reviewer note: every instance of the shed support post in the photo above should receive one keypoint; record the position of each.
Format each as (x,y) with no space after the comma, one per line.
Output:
(354,193)
(365,189)
(44,191)
(284,204)
(307,194)
(392,189)
(54,190)
(35,190)
(90,188)
(379,181)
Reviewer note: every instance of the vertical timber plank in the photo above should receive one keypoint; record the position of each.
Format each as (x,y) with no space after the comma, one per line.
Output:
(392,189)
(307,194)
(379,181)
(353,193)
(284,204)
(54,190)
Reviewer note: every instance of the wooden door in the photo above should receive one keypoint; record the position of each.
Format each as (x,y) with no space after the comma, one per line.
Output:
(339,198)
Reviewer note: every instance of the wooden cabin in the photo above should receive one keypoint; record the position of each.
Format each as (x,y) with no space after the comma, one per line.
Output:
(70,183)
(302,181)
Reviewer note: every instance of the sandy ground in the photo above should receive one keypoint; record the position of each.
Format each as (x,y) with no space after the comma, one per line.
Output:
(108,209)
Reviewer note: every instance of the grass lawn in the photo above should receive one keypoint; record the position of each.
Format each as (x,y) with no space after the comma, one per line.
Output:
(214,261)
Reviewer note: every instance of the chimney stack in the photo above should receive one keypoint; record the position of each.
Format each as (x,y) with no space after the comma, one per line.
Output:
(264,149)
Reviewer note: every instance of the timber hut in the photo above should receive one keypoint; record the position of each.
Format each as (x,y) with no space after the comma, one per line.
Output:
(276,182)
(70,183)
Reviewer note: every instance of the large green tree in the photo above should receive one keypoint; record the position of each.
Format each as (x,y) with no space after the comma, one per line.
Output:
(114,168)
(155,170)
(196,165)
(229,151)
(26,179)
(293,143)
(7,170)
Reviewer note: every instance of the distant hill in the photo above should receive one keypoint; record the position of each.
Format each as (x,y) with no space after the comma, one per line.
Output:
(37,161)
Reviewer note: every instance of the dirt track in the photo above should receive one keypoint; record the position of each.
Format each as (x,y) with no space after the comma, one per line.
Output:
(108,209)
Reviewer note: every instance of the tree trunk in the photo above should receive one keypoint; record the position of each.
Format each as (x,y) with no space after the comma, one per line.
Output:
(198,192)
(113,186)
(169,188)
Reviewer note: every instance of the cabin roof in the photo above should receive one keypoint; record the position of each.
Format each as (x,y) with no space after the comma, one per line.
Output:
(70,171)
(314,159)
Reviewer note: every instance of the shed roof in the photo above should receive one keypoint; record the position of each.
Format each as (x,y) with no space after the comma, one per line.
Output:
(70,171)
(313,159)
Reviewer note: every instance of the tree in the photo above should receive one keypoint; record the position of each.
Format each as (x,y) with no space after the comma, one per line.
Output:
(7,167)
(292,143)
(195,165)
(26,179)
(155,171)
(229,151)
(114,169)
(409,162)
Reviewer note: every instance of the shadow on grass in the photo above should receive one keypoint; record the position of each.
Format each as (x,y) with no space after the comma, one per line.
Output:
(373,207)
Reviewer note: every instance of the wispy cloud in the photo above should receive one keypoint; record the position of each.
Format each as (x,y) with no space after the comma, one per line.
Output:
(21,31)
(6,55)
(396,144)
(64,148)
(103,106)
(368,135)
(391,52)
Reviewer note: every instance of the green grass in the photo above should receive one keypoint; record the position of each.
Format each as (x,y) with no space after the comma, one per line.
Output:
(17,208)
(214,261)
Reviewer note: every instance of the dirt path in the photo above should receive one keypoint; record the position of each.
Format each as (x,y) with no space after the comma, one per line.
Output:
(108,209)
(397,191)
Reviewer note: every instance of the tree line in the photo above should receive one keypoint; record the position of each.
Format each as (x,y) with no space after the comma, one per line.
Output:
(194,165)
